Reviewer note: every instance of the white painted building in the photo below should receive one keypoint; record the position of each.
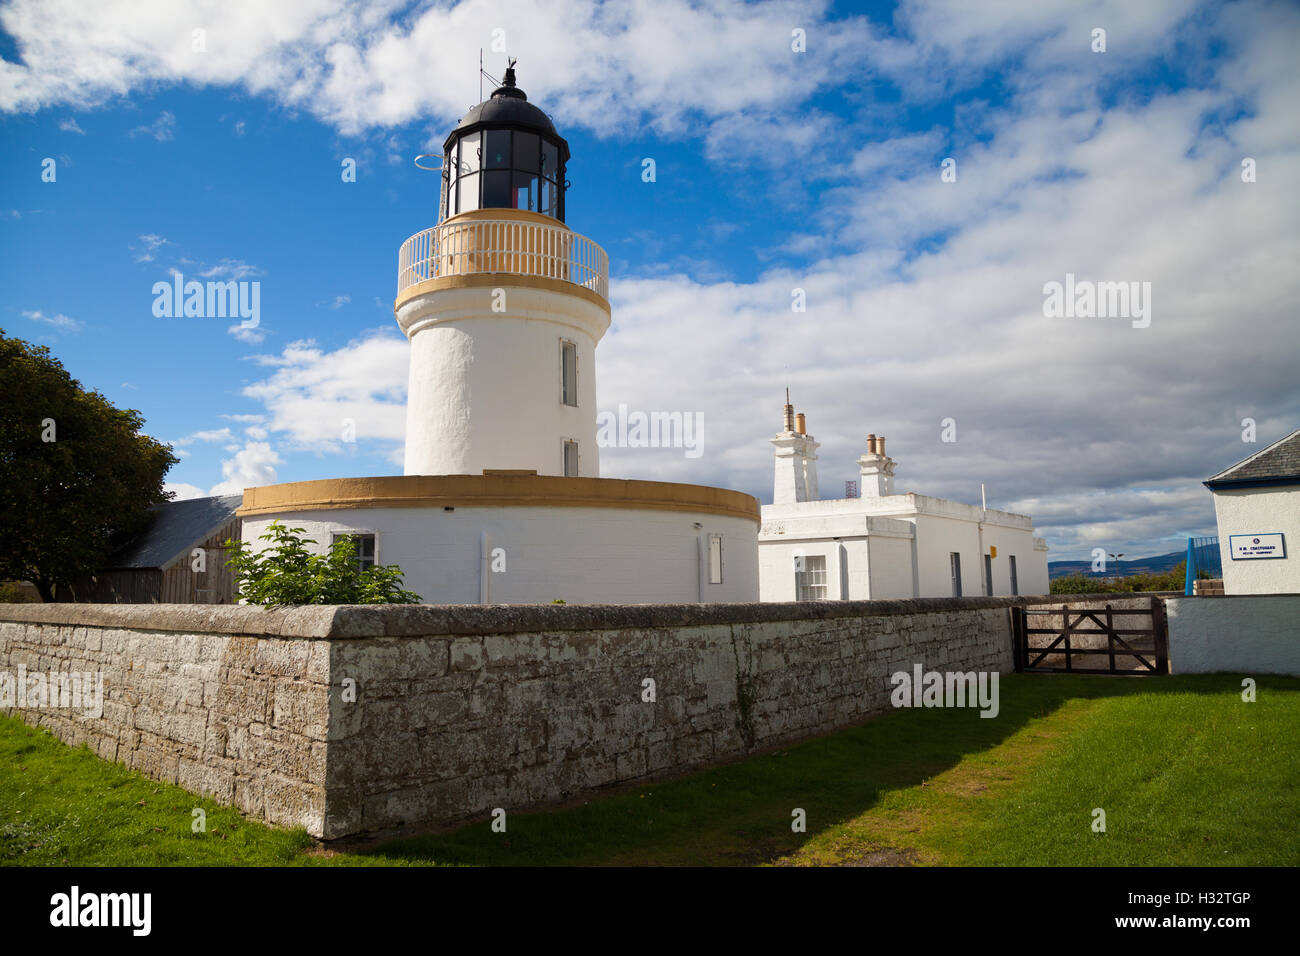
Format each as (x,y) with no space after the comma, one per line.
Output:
(501,500)
(1257,508)
(884,545)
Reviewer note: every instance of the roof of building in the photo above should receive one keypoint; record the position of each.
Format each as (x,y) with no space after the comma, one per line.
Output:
(176,528)
(902,506)
(507,111)
(1277,464)
(508,106)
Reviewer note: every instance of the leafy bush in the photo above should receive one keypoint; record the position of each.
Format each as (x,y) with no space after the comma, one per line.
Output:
(287,573)
(12,592)
(1173,580)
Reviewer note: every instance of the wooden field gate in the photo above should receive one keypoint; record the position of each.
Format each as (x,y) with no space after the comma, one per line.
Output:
(1059,639)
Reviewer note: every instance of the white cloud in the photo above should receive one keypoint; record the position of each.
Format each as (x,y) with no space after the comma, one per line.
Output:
(313,392)
(236,269)
(161,129)
(1047,411)
(184,491)
(349,65)
(69,125)
(58,321)
(250,336)
(213,435)
(253,465)
(149,246)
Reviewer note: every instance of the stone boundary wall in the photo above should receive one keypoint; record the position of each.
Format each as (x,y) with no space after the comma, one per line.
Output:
(461,709)
(242,718)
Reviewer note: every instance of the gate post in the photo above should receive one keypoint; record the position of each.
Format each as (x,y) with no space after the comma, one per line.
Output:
(1160,628)
(1019,640)
(1065,631)
(1110,637)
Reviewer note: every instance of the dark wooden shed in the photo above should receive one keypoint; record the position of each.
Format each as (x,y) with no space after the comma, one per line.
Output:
(177,559)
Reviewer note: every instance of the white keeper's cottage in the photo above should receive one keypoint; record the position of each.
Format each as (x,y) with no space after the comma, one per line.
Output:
(884,545)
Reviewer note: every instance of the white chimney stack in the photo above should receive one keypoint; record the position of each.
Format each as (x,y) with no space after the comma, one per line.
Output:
(876,470)
(796,460)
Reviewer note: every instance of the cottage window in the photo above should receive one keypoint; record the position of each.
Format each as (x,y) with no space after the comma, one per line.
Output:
(810,583)
(363,547)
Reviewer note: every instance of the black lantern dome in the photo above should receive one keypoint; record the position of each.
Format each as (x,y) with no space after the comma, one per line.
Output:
(505,154)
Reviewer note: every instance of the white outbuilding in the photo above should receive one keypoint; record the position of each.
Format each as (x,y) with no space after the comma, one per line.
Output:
(884,545)
(1257,507)
(501,501)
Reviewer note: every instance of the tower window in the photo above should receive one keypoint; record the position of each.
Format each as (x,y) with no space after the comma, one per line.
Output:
(496,189)
(464,182)
(570,459)
(525,151)
(497,149)
(988,574)
(1015,581)
(449,173)
(569,373)
(954,563)
(810,583)
(525,191)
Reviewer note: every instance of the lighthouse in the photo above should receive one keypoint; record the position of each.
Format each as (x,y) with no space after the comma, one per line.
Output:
(503,305)
(501,500)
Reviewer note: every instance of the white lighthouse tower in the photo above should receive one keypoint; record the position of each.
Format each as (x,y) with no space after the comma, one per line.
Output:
(502,501)
(503,305)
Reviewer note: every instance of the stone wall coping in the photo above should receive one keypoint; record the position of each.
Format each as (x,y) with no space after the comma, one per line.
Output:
(361,621)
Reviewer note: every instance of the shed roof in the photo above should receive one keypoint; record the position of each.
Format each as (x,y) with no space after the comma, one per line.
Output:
(176,528)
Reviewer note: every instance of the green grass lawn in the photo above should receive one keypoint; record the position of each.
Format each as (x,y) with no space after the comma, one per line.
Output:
(1186,772)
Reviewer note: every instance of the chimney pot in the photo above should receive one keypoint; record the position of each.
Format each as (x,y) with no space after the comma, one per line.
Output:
(871,444)
(801,424)
(880,446)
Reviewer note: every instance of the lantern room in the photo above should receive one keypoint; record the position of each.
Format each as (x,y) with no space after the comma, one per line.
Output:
(505,154)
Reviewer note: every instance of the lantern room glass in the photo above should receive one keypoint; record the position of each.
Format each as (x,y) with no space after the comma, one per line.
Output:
(503,169)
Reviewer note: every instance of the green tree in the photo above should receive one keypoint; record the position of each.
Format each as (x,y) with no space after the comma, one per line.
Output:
(76,475)
(286,572)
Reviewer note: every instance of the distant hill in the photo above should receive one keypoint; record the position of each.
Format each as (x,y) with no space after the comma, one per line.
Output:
(1156,564)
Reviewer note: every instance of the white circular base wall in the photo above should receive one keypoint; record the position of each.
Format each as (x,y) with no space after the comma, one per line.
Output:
(595,555)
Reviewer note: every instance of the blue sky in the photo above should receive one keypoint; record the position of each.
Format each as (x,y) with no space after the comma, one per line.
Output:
(775,170)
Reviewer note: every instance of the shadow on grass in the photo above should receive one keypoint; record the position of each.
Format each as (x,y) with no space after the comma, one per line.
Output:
(741,813)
